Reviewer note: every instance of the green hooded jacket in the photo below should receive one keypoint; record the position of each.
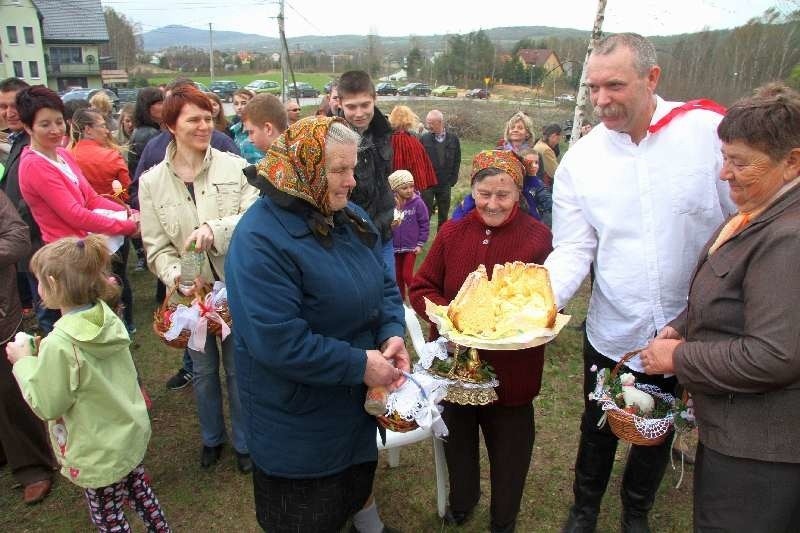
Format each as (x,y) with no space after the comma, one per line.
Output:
(83,383)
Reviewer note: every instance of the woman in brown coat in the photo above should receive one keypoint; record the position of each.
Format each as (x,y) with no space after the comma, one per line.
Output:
(736,347)
(23,441)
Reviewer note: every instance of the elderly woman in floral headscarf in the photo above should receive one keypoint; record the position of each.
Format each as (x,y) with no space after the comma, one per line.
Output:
(318,319)
(496,231)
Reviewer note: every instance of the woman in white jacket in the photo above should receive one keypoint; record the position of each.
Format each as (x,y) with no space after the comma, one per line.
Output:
(197,196)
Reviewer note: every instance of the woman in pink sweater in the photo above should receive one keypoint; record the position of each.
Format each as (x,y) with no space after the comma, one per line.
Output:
(59,196)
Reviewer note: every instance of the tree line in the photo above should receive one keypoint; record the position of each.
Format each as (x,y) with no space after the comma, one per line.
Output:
(722,64)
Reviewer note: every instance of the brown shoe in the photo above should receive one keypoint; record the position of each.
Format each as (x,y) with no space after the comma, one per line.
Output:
(36,492)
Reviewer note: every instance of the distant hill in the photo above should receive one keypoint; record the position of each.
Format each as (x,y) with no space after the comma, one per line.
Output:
(174,35)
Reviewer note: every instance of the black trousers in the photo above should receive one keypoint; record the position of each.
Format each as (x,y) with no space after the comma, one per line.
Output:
(646,464)
(119,266)
(318,505)
(509,434)
(438,197)
(23,437)
(735,494)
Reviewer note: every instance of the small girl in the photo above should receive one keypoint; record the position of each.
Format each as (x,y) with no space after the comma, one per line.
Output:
(83,382)
(409,228)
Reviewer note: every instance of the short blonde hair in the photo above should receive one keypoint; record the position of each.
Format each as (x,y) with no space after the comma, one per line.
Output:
(519,116)
(74,272)
(403,118)
(101,102)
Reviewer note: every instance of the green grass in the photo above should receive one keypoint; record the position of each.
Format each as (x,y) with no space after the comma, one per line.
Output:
(220,500)
(318,80)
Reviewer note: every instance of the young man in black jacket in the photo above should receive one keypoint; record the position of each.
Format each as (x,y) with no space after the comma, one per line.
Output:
(372,192)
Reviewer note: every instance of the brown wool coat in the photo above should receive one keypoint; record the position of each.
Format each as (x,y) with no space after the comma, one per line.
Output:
(742,323)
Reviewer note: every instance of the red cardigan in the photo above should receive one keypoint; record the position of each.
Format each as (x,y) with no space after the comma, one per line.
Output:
(459,247)
(61,208)
(101,165)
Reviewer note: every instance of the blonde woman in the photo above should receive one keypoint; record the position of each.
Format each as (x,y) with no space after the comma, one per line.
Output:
(409,154)
(101,101)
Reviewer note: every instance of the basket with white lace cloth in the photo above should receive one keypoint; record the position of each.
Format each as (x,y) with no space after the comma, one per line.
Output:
(415,404)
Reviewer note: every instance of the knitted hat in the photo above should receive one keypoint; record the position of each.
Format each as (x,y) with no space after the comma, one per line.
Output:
(398,178)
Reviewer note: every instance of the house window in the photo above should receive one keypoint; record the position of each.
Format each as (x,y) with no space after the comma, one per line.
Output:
(13,38)
(18,69)
(28,31)
(33,66)
(66,55)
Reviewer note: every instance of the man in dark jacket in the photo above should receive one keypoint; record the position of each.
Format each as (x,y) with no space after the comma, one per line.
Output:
(444,149)
(9,184)
(23,439)
(372,191)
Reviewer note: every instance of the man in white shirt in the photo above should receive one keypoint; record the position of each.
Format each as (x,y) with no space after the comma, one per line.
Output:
(637,198)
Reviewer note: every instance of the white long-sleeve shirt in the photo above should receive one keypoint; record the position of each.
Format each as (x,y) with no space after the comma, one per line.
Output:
(640,213)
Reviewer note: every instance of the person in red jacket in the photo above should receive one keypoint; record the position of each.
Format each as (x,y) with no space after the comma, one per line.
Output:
(496,231)
(409,154)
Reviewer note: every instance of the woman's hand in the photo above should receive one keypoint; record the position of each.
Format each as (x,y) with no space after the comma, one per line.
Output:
(379,371)
(202,237)
(658,357)
(417,250)
(668,332)
(394,350)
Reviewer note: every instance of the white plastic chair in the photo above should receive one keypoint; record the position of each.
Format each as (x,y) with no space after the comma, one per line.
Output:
(394,441)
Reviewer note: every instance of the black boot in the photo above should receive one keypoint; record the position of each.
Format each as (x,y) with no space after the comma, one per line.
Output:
(643,474)
(592,470)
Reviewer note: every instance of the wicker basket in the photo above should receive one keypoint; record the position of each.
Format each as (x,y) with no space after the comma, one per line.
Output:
(215,328)
(398,425)
(623,423)
(161,326)
(392,422)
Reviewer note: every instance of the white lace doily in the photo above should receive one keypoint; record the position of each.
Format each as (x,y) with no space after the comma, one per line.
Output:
(418,399)
(650,428)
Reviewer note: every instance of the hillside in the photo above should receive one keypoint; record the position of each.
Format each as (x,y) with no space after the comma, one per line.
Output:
(174,35)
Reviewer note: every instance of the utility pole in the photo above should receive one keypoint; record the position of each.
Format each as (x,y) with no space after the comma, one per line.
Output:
(211,52)
(284,53)
(580,104)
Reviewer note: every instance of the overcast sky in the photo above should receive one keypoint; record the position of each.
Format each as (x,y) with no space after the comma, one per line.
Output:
(428,17)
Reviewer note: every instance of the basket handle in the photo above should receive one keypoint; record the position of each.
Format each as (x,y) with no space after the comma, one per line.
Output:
(413,380)
(625,358)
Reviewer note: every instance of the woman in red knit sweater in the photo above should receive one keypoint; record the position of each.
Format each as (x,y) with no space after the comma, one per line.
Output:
(496,231)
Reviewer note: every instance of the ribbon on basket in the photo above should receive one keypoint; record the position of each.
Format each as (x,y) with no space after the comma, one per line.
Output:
(186,318)
(208,311)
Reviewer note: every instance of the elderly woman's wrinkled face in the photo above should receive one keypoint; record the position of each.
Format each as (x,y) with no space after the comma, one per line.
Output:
(340,165)
(495,198)
(193,128)
(754,178)
(517,132)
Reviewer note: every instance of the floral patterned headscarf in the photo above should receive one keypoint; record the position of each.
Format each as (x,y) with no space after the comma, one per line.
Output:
(295,163)
(504,160)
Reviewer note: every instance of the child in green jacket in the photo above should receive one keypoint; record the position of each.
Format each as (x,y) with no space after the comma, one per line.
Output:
(83,384)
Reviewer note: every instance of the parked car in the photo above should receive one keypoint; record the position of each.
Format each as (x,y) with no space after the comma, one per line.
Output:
(449,91)
(264,86)
(482,94)
(127,96)
(415,89)
(201,86)
(224,89)
(86,94)
(301,89)
(566,97)
(386,89)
